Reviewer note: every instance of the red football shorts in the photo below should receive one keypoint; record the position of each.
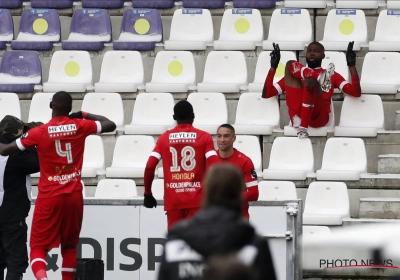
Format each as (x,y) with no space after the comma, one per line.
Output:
(174,216)
(57,220)
(320,112)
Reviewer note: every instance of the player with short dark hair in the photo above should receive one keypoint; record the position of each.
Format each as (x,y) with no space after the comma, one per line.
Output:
(228,154)
(309,89)
(58,214)
(184,150)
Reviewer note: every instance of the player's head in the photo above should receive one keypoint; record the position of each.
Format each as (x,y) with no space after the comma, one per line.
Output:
(61,103)
(225,137)
(223,186)
(183,112)
(315,54)
(11,128)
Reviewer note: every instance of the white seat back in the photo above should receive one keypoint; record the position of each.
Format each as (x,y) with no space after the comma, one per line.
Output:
(339,59)
(105,104)
(306,4)
(381,68)
(132,151)
(71,67)
(157,188)
(225,67)
(122,67)
(209,108)
(263,66)
(344,154)
(9,105)
(276,190)
(254,110)
(192,25)
(241,25)
(116,188)
(250,146)
(154,109)
(291,153)
(393,4)
(93,156)
(176,67)
(325,199)
(40,110)
(290,25)
(365,111)
(343,26)
(355,4)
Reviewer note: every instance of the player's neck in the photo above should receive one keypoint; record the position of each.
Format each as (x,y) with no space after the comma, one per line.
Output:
(227,153)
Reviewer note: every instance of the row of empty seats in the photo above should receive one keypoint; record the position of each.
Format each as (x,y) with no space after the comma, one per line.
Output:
(157,4)
(152,113)
(327,203)
(192,29)
(175,72)
(211,4)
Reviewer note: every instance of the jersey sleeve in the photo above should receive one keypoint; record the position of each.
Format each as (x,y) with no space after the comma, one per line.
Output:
(90,127)
(158,148)
(250,178)
(29,139)
(270,89)
(353,89)
(209,150)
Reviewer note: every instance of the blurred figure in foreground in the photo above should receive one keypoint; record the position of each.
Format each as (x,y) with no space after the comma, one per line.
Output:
(218,229)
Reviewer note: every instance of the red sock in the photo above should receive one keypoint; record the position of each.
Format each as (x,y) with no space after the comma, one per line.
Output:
(300,72)
(38,263)
(307,106)
(68,269)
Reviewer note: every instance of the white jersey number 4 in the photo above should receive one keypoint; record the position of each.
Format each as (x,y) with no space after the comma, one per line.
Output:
(188,163)
(67,153)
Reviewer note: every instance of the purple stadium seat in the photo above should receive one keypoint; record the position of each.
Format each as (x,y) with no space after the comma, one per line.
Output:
(90,29)
(205,4)
(6,28)
(38,30)
(52,4)
(155,4)
(141,29)
(20,71)
(103,4)
(254,4)
(11,4)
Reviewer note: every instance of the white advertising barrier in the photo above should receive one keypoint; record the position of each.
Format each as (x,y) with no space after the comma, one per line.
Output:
(130,238)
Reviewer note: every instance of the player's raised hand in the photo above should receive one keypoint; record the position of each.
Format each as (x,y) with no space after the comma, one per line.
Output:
(350,55)
(149,201)
(275,56)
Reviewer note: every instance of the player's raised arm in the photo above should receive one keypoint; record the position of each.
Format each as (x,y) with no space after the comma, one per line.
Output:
(270,89)
(353,89)
(106,124)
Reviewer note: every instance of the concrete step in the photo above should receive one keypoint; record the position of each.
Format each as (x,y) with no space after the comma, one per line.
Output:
(388,164)
(380,208)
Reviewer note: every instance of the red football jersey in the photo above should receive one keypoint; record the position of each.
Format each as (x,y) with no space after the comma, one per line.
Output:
(183,150)
(60,144)
(294,101)
(245,165)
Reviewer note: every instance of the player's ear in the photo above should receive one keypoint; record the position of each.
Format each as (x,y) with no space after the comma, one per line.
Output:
(51,105)
(174,117)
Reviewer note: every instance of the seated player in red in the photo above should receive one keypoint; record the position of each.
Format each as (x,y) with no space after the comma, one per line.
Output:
(309,89)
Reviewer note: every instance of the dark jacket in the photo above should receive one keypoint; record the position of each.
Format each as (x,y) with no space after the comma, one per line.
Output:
(15,184)
(214,230)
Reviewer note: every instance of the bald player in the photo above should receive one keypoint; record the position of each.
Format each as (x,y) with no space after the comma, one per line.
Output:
(309,89)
